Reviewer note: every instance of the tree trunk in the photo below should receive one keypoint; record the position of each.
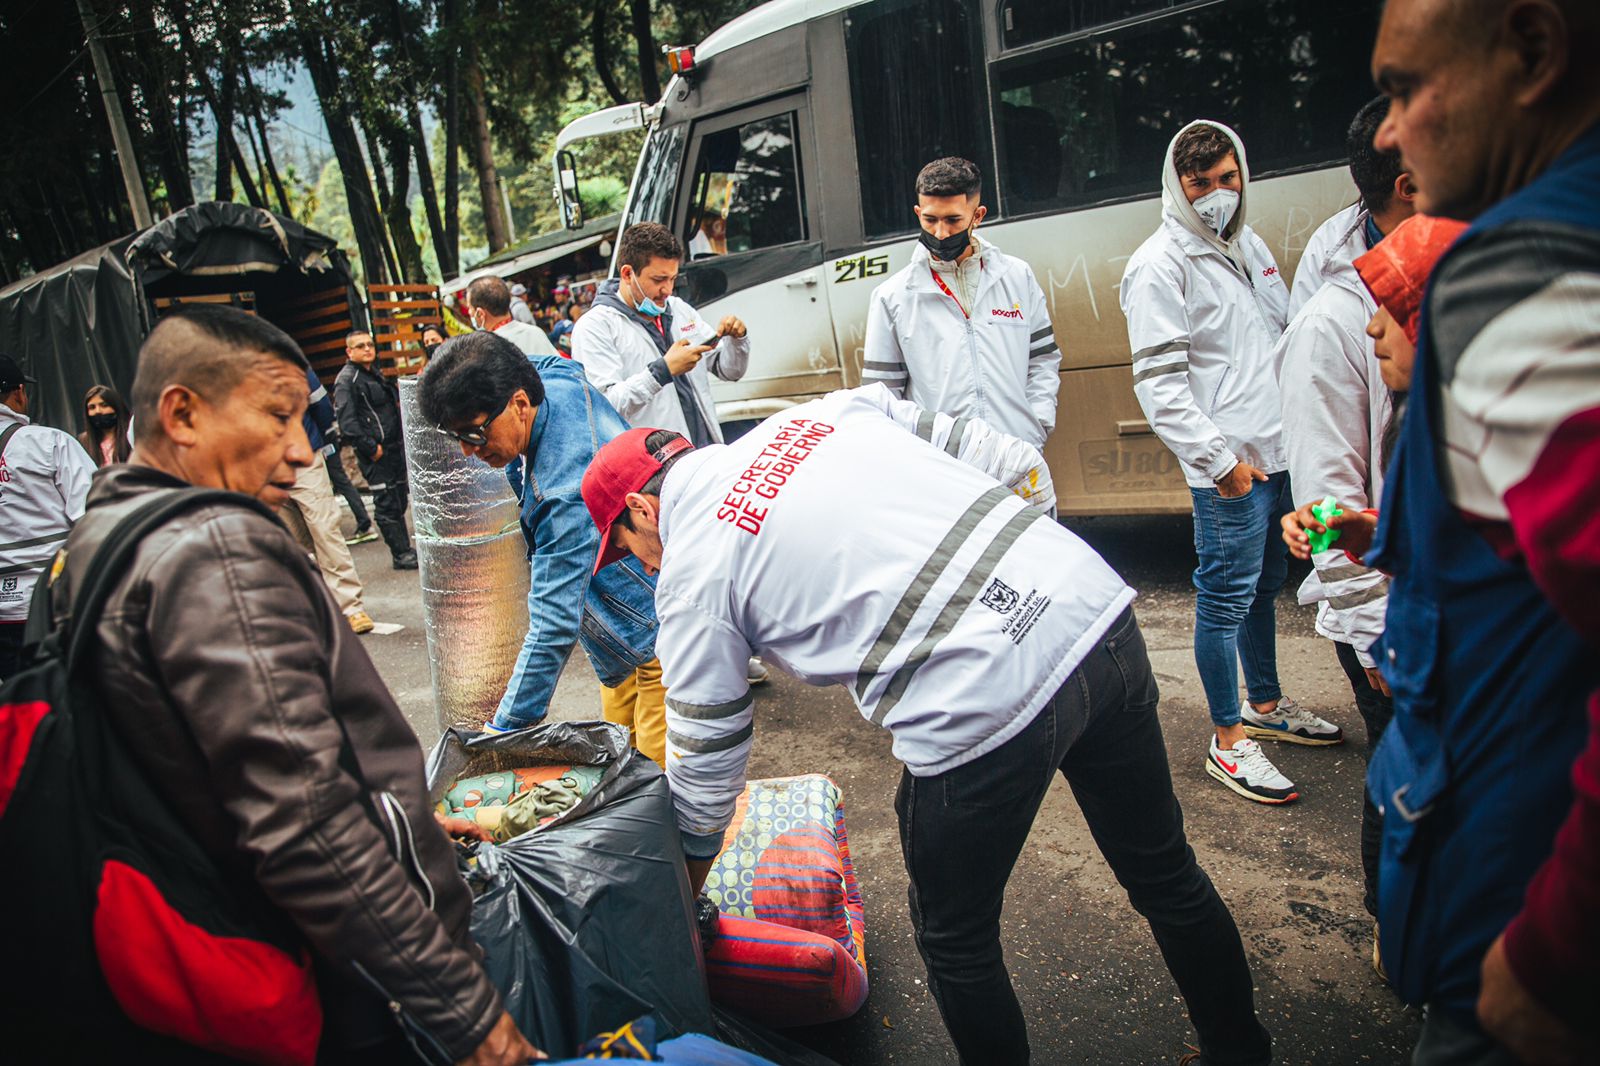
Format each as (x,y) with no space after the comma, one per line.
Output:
(600,45)
(644,37)
(157,83)
(494,219)
(346,150)
(430,194)
(254,100)
(397,140)
(381,180)
(222,112)
(452,142)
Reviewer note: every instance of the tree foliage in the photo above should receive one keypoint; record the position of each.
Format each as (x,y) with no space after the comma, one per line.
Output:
(403,86)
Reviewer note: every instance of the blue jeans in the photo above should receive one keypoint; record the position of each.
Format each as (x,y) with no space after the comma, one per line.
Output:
(1243,562)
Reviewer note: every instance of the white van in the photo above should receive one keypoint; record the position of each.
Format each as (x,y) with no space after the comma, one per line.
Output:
(785,148)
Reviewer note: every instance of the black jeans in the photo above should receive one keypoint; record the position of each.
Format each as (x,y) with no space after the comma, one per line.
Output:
(387,479)
(1376,711)
(961,832)
(10,648)
(343,486)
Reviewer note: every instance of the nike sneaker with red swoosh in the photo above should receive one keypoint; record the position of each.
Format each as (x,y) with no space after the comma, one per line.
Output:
(1246,769)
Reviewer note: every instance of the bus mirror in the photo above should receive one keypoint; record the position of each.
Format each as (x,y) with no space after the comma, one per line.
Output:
(567,190)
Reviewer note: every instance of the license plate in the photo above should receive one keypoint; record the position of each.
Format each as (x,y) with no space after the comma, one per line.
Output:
(1128,464)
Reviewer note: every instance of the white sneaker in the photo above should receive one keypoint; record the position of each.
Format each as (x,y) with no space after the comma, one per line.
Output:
(1289,722)
(1247,770)
(755,671)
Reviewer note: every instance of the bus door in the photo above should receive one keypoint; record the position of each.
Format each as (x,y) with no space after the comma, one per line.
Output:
(747,217)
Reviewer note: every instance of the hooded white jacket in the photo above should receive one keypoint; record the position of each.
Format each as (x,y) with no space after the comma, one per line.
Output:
(1204,313)
(843,549)
(997,360)
(617,355)
(1335,407)
(1329,247)
(44,480)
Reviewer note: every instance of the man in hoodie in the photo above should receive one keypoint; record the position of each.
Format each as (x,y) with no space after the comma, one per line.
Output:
(1335,410)
(964,329)
(1205,306)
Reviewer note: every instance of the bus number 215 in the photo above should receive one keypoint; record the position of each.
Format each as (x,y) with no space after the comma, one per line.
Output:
(860,267)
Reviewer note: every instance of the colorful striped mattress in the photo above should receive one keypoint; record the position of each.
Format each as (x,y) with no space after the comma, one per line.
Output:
(791,942)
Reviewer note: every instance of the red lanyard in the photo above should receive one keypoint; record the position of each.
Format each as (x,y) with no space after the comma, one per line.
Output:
(937,280)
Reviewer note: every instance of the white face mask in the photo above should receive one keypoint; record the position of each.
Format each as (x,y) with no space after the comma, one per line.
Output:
(1217,207)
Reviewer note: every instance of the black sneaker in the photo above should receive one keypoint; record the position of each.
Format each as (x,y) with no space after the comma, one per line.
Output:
(406,560)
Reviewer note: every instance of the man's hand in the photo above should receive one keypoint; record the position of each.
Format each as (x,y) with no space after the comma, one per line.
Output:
(683,357)
(462,828)
(730,326)
(1375,679)
(1356,530)
(1239,480)
(378,453)
(504,1046)
(1513,1017)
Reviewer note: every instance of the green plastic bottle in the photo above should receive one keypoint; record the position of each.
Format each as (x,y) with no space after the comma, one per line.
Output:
(1321,542)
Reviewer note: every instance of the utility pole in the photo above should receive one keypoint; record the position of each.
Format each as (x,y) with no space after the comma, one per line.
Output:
(137,200)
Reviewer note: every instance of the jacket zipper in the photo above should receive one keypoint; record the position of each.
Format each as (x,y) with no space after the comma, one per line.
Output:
(409,1026)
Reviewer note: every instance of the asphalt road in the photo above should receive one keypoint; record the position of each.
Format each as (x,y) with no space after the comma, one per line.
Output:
(1085,967)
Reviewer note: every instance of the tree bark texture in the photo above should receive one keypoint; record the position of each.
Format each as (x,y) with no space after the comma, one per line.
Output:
(494,219)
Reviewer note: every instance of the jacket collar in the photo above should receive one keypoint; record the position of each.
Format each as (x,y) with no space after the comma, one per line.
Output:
(8,415)
(124,480)
(921,278)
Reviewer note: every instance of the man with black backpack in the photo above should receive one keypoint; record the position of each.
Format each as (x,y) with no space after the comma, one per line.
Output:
(245,860)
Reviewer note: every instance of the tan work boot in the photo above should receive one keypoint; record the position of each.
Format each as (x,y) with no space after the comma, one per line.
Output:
(360,621)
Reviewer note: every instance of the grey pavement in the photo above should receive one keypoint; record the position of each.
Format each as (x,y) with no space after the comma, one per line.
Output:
(1086,969)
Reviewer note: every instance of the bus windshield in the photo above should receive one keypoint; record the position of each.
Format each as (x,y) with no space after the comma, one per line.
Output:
(657,178)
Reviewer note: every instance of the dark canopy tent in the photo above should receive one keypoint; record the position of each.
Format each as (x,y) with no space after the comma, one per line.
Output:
(81,323)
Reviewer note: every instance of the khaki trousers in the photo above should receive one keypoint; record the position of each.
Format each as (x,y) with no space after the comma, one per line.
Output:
(640,703)
(312,515)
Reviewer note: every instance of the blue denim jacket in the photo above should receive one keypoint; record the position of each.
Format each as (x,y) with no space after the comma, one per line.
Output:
(614,613)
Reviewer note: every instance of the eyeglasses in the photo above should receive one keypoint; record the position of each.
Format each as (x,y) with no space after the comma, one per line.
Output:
(477,435)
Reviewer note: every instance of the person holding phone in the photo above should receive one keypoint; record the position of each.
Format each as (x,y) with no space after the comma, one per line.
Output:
(650,352)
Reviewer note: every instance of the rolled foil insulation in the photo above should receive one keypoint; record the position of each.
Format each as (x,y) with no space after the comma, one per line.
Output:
(473,566)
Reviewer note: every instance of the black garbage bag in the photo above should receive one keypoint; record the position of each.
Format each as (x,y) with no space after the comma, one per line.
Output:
(586,922)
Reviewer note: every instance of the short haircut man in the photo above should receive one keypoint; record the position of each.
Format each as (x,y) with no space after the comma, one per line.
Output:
(921,339)
(1374,170)
(489,305)
(1490,532)
(651,352)
(250,707)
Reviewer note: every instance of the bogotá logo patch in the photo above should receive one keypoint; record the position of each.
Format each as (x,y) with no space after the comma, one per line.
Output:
(999,596)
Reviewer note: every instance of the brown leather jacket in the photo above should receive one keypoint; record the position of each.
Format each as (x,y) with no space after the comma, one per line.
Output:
(225,662)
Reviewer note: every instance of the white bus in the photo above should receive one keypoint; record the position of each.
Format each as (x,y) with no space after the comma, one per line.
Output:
(784,153)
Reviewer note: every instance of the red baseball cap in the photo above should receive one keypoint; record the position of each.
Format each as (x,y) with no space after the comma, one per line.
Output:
(622,465)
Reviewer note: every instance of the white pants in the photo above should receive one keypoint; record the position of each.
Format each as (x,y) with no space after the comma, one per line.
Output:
(312,515)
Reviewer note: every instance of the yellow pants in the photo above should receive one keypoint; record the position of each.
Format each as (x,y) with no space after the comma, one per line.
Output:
(640,703)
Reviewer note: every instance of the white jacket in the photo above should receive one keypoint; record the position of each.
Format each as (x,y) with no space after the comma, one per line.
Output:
(1335,407)
(531,340)
(44,480)
(1204,314)
(843,549)
(1329,248)
(1001,364)
(617,355)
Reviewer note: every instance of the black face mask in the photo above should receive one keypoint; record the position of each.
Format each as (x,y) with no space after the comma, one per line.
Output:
(947,249)
(431,348)
(103,422)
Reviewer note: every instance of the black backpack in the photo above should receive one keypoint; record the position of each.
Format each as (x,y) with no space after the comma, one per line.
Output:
(124,940)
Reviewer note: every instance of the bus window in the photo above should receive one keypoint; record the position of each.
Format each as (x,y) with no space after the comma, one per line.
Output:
(746,192)
(1030,21)
(658,176)
(915,97)
(1090,121)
